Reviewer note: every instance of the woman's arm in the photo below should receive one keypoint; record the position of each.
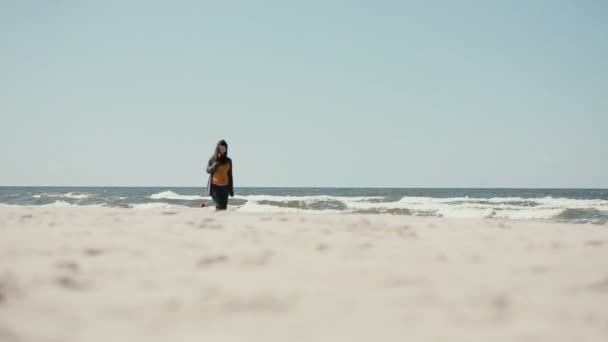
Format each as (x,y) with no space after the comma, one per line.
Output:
(230,181)
(211,166)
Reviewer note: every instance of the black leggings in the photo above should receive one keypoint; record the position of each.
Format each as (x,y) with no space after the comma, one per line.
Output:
(219,194)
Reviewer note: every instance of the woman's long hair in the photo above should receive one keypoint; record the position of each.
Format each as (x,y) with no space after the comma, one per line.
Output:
(216,155)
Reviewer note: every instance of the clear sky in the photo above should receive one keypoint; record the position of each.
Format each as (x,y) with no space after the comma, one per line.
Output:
(307,93)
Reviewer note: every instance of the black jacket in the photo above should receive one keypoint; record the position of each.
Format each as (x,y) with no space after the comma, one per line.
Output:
(211,170)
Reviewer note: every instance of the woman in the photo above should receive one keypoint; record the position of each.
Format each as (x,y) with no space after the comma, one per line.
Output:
(220,182)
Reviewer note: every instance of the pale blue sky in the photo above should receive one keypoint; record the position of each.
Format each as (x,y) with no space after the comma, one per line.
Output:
(308,93)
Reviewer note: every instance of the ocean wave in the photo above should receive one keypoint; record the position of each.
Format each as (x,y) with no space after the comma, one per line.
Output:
(562,202)
(509,207)
(577,215)
(388,211)
(518,208)
(60,204)
(527,214)
(374,201)
(276,198)
(466,212)
(70,195)
(254,207)
(156,205)
(573,203)
(175,196)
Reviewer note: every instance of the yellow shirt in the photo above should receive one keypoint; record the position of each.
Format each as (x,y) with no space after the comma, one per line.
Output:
(220,176)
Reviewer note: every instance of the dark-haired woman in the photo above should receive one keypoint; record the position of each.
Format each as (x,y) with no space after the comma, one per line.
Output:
(220,184)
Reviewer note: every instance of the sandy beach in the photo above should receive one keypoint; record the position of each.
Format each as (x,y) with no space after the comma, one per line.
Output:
(101,274)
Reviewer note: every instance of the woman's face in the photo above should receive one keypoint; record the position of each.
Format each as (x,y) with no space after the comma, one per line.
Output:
(222,149)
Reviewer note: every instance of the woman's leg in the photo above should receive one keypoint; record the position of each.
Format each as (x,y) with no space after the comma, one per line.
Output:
(215,196)
(223,198)
(219,194)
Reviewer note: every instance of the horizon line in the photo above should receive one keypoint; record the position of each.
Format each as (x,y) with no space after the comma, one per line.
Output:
(306,187)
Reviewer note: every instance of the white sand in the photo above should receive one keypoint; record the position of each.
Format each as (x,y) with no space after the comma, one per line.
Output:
(95,274)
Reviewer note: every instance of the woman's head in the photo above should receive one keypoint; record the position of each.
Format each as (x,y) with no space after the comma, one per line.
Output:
(221,151)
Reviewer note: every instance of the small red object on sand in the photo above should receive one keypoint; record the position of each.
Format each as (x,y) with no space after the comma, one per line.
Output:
(202,204)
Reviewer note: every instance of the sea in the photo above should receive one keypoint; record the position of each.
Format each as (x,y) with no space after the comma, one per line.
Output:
(589,206)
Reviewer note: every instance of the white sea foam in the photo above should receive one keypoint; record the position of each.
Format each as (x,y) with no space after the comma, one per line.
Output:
(157,205)
(71,195)
(573,203)
(175,196)
(467,207)
(463,212)
(61,204)
(501,207)
(462,207)
(76,195)
(317,198)
(528,214)
(254,207)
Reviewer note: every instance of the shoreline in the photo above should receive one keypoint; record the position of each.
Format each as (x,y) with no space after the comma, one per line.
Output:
(210,209)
